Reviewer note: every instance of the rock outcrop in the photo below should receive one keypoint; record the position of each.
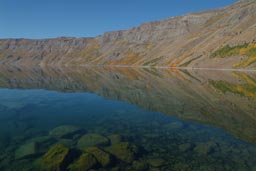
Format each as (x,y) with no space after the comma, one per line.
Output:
(186,41)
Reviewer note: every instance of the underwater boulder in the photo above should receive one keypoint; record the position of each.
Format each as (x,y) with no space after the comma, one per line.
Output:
(156,162)
(105,159)
(124,151)
(185,147)
(115,138)
(67,142)
(205,148)
(66,131)
(85,162)
(140,166)
(26,150)
(92,139)
(43,143)
(57,158)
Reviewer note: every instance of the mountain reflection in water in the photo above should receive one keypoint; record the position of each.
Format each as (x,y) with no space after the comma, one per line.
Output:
(203,117)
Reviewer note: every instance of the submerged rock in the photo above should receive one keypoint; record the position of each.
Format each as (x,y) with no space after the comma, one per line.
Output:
(57,158)
(105,159)
(185,147)
(124,151)
(85,162)
(90,140)
(140,166)
(156,162)
(66,131)
(43,143)
(205,148)
(67,142)
(26,150)
(115,138)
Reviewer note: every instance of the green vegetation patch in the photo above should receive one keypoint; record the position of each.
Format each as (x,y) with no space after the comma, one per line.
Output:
(227,51)
(247,49)
(153,62)
(243,90)
(190,61)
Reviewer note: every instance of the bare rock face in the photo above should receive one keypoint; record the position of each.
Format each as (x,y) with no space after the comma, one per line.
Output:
(186,41)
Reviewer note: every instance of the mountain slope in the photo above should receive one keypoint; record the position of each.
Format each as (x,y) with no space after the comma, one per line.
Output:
(221,38)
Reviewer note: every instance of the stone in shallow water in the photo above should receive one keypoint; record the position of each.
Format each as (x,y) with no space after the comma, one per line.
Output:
(185,147)
(26,150)
(205,148)
(66,131)
(57,158)
(156,162)
(43,143)
(140,166)
(124,151)
(104,158)
(85,162)
(115,138)
(67,142)
(90,140)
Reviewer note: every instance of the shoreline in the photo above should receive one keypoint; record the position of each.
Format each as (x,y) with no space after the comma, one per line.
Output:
(169,67)
(133,66)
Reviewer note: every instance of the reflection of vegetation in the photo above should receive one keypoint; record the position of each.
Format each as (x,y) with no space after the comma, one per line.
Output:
(247,49)
(190,75)
(188,62)
(246,62)
(153,71)
(247,90)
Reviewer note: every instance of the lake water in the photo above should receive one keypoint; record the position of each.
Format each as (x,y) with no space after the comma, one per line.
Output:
(92,118)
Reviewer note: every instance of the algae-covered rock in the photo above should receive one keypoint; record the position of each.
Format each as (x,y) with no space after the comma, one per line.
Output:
(185,147)
(26,164)
(205,148)
(66,131)
(140,166)
(57,158)
(67,142)
(124,151)
(43,140)
(26,150)
(105,159)
(156,162)
(90,140)
(115,138)
(43,143)
(85,162)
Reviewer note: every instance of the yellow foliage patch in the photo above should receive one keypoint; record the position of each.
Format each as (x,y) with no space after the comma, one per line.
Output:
(149,46)
(131,58)
(173,64)
(243,51)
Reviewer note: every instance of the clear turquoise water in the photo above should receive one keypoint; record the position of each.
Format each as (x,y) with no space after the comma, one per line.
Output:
(182,141)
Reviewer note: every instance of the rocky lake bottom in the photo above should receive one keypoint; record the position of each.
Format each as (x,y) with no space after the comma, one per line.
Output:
(78,128)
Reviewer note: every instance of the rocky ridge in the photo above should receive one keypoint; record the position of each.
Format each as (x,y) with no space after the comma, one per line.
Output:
(186,41)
